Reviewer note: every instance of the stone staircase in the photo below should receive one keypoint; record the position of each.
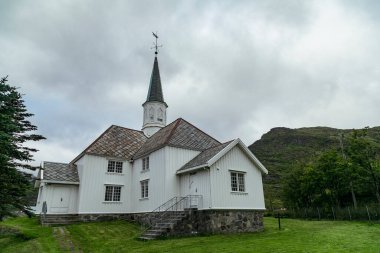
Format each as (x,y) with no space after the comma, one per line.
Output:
(164,218)
(163,225)
(59,219)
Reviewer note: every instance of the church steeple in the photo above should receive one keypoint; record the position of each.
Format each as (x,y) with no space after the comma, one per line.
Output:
(154,106)
(155,88)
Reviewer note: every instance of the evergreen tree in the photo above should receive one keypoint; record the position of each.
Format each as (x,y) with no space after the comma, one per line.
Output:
(15,130)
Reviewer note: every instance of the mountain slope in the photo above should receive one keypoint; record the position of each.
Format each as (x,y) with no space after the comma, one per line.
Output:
(281,148)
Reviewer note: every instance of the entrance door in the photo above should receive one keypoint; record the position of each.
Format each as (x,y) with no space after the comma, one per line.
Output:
(61,199)
(193,189)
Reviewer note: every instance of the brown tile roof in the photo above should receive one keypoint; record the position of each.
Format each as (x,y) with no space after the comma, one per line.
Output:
(179,133)
(117,142)
(204,156)
(61,172)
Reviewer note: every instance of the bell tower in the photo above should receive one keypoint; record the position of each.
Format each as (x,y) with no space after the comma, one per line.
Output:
(154,106)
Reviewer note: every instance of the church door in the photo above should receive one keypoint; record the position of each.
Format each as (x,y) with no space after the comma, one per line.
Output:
(193,187)
(60,200)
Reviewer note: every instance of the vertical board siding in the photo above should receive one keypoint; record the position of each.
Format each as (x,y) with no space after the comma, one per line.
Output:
(51,193)
(213,184)
(94,177)
(222,197)
(200,182)
(163,180)
(156,176)
(175,159)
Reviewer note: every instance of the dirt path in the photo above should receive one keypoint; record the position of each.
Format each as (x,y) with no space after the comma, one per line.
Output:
(62,235)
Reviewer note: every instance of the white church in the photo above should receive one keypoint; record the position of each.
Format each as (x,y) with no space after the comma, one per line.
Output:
(131,173)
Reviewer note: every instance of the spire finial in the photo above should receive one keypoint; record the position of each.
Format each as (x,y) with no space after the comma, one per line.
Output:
(155,44)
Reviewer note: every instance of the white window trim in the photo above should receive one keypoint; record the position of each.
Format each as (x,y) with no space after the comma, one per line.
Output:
(112,201)
(145,164)
(142,196)
(237,182)
(115,172)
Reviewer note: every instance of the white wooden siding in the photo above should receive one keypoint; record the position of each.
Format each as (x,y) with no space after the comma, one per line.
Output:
(197,184)
(52,194)
(221,195)
(93,179)
(163,181)
(156,177)
(175,159)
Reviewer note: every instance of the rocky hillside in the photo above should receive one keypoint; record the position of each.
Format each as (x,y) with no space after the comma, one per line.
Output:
(282,147)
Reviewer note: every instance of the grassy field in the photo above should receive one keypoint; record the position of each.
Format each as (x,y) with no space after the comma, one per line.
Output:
(31,237)
(119,236)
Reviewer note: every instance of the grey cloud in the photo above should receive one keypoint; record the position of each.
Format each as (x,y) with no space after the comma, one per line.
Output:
(235,69)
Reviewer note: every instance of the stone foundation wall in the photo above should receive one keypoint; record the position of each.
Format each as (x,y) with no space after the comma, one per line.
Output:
(219,221)
(102,217)
(141,218)
(196,221)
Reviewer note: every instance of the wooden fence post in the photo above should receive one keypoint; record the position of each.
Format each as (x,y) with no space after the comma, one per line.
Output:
(319,215)
(349,212)
(332,208)
(369,216)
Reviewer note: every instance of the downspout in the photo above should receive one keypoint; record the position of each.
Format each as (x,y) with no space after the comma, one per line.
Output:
(209,176)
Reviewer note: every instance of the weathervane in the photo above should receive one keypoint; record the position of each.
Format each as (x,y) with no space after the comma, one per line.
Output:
(155,45)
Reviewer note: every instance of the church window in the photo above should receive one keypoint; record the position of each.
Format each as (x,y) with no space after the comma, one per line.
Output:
(151,114)
(144,189)
(145,163)
(160,115)
(113,193)
(115,167)
(237,181)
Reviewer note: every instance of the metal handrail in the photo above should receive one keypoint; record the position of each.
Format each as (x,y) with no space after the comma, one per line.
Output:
(157,215)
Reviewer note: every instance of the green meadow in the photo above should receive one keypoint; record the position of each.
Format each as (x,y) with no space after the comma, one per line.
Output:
(26,235)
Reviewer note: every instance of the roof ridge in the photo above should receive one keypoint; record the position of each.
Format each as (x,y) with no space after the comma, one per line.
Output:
(201,130)
(173,130)
(55,162)
(221,144)
(167,139)
(88,147)
(127,128)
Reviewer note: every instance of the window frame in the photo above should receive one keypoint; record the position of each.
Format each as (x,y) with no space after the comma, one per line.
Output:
(237,180)
(144,189)
(145,163)
(112,193)
(115,166)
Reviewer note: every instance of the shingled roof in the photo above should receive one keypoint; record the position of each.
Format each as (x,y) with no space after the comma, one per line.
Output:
(116,141)
(204,156)
(209,157)
(155,89)
(181,134)
(60,172)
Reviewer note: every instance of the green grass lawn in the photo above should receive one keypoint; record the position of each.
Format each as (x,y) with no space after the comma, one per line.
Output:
(120,236)
(31,237)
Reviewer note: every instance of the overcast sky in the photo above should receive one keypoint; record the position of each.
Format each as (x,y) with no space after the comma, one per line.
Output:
(232,68)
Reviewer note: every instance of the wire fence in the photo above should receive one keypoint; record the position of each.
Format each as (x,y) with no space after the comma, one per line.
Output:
(364,213)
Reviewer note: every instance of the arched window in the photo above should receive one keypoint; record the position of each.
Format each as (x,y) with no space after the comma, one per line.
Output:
(160,115)
(151,113)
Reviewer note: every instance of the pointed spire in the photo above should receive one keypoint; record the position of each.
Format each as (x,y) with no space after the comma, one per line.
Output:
(155,89)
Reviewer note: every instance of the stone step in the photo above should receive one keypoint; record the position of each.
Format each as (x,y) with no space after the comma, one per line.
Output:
(60,215)
(59,219)
(146,238)
(59,222)
(156,230)
(152,234)
(164,225)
